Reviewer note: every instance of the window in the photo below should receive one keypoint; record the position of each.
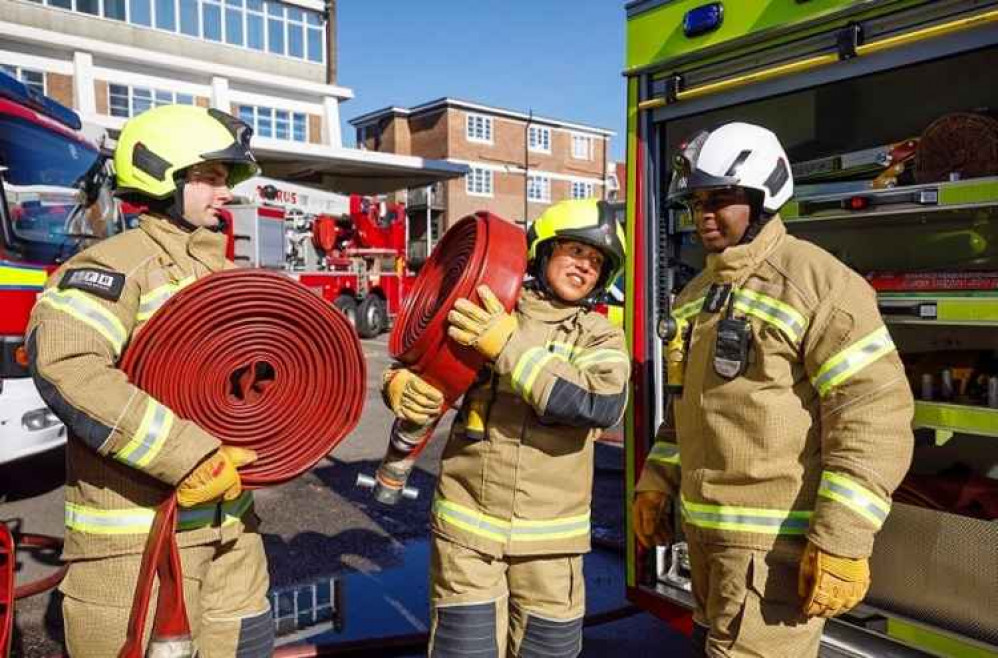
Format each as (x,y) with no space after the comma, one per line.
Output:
(539,188)
(125,101)
(190,23)
(234,22)
(479,182)
(479,128)
(33,80)
(539,139)
(583,190)
(261,25)
(582,147)
(277,124)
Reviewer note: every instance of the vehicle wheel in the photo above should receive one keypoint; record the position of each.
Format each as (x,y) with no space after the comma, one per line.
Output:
(348,306)
(372,317)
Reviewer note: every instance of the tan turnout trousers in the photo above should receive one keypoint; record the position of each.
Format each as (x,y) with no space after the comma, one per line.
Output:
(225,589)
(518,605)
(748,600)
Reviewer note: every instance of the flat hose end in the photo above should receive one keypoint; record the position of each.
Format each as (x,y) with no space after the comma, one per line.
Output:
(480,249)
(258,361)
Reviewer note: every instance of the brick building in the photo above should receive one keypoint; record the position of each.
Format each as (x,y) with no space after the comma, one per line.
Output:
(519,163)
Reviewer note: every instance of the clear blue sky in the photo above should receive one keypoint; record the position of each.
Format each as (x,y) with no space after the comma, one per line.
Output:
(561,58)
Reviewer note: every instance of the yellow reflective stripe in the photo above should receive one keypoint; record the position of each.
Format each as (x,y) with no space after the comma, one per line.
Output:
(664,453)
(600,356)
(151,302)
(149,437)
(517,529)
(529,367)
(138,520)
(28,278)
(567,350)
(771,310)
(852,359)
(855,496)
(688,310)
(747,519)
(81,306)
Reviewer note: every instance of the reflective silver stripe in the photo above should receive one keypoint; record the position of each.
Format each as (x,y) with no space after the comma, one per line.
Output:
(688,310)
(151,302)
(747,519)
(855,496)
(783,316)
(851,360)
(529,367)
(664,453)
(149,438)
(138,520)
(517,529)
(80,306)
(588,358)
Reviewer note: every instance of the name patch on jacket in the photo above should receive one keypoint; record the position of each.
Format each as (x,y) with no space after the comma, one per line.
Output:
(104,284)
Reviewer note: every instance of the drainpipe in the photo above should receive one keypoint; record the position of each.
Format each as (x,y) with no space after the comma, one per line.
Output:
(331,42)
(526,168)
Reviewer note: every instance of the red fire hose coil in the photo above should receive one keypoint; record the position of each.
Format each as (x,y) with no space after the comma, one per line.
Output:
(480,249)
(258,361)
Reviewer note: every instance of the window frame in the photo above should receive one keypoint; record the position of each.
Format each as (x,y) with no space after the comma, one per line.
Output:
(539,182)
(155,96)
(588,189)
(270,116)
(18,74)
(486,177)
(487,125)
(590,146)
(539,145)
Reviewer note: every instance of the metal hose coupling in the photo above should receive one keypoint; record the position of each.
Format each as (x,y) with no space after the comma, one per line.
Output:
(389,483)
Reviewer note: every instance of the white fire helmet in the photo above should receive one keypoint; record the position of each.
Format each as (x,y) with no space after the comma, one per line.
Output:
(733,155)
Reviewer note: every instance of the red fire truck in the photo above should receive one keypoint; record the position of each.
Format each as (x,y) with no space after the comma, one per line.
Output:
(54,200)
(350,250)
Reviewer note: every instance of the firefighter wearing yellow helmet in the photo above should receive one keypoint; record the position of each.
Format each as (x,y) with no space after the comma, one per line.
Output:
(511,515)
(793,420)
(126,450)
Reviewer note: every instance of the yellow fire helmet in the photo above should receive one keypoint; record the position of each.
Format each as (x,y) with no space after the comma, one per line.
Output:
(589,221)
(155,146)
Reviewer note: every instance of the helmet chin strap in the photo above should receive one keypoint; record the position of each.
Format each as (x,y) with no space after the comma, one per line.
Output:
(538,269)
(175,211)
(759,219)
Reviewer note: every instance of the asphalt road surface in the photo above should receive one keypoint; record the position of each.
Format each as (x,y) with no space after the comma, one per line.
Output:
(326,539)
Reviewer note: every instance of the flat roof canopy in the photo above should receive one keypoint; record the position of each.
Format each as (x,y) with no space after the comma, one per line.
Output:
(350,170)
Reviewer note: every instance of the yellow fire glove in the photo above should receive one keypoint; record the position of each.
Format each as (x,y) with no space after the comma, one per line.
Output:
(215,477)
(486,328)
(831,585)
(411,398)
(651,522)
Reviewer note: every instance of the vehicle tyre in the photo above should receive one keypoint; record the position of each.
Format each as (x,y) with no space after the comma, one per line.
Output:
(372,317)
(348,306)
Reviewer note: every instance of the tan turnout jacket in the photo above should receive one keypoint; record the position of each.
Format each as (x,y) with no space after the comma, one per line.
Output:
(525,488)
(125,450)
(815,436)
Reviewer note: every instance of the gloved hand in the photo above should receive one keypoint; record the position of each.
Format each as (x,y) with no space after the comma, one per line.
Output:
(215,477)
(651,520)
(486,328)
(831,585)
(411,398)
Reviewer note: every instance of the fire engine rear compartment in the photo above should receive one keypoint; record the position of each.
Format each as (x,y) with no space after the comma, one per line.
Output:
(931,569)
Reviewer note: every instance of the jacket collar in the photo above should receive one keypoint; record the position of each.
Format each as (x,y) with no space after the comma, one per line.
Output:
(731,263)
(203,245)
(538,306)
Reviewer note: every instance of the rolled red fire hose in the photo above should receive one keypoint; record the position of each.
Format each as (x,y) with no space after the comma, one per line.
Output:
(480,249)
(260,362)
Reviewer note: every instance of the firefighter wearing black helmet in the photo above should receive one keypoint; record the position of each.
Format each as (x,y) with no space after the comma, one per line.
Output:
(511,513)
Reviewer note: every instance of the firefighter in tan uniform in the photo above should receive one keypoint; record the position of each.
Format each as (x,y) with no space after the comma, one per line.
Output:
(126,450)
(511,514)
(794,420)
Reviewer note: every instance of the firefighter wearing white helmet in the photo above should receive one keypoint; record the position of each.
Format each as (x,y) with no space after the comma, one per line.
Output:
(126,450)
(511,514)
(793,424)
